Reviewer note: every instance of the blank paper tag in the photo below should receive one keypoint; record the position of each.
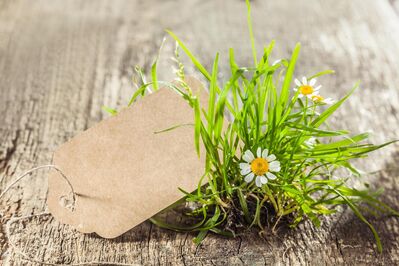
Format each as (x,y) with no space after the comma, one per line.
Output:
(122,172)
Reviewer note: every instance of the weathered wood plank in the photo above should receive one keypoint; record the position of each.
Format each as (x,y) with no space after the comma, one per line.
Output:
(60,61)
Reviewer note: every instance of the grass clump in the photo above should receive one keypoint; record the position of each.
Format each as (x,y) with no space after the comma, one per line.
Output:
(275,161)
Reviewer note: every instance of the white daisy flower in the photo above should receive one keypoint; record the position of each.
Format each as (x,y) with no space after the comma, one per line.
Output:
(306,87)
(260,166)
(321,100)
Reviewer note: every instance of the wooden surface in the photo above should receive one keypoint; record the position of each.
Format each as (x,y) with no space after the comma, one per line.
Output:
(60,61)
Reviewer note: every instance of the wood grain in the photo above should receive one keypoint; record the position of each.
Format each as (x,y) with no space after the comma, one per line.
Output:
(60,61)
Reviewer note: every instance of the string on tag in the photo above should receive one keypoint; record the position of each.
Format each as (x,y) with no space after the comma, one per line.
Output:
(64,201)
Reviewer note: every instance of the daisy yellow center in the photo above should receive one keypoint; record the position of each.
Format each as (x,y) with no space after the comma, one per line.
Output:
(317,98)
(306,89)
(259,166)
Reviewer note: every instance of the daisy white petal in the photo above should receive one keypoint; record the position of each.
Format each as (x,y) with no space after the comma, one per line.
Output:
(258,183)
(263,179)
(304,81)
(244,165)
(271,158)
(249,177)
(274,166)
(297,82)
(320,100)
(328,101)
(317,88)
(245,171)
(312,82)
(300,95)
(315,93)
(259,152)
(271,176)
(248,156)
(265,153)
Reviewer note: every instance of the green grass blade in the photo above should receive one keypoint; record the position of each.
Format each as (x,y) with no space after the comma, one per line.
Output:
(251,34)
(110,110)
(154,67)
(172,128)
(212,93)
(195,61)
(285,91)
(322,73)
(361,217)
(244,205)
(345,142)
(197,125)
(327,113)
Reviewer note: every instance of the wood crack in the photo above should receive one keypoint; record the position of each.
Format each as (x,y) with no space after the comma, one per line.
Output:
(9,151)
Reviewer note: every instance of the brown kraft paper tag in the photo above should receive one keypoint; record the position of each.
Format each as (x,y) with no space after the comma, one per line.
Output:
(122,172)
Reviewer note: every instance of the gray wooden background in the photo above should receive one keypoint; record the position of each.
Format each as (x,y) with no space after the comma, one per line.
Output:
(60,61)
